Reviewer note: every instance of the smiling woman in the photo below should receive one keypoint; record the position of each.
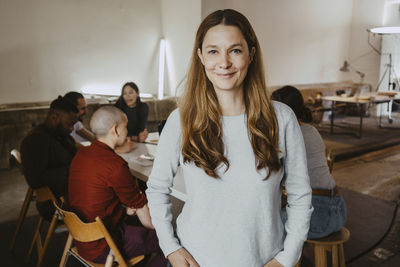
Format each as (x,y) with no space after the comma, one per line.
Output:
(235,147)
(136,111)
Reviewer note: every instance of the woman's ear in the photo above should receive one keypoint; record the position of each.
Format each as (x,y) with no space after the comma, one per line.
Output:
(200,55)
(252,53)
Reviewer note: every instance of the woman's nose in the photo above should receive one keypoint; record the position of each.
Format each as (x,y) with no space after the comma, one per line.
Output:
(225,61)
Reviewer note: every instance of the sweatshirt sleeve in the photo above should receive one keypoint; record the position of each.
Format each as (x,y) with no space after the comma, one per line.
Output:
(161,180)
(126,187)
(298,190)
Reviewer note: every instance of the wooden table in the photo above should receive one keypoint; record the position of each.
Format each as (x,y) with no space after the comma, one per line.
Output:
(360,101)
(141,168)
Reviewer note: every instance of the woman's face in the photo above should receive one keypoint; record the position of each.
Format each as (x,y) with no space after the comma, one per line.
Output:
(226,57)
(130,96)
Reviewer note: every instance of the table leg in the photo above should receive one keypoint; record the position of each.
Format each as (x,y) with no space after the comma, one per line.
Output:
(332,114)
(361,109)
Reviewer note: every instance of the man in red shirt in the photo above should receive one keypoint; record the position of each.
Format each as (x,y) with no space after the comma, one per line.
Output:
(100,184)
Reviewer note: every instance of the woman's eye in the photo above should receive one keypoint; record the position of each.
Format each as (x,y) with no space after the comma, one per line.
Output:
(212,52)
(236,51)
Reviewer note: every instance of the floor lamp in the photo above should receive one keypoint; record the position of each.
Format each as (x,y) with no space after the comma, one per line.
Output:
(389,69)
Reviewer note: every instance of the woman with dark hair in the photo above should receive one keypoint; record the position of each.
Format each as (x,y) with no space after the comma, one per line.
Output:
(136,111)
(235,147)
(329,208)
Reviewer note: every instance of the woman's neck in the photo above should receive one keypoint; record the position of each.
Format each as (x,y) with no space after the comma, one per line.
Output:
(108,141)
(231,102)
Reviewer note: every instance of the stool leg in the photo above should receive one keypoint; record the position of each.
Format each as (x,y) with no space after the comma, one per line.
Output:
(298,264)
(335,260)
(320,256)
(342,260)
(21,217)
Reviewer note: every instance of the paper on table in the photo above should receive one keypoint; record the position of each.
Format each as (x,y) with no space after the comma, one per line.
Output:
(143,162)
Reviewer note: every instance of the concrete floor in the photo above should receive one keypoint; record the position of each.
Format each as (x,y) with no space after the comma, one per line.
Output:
(376,174)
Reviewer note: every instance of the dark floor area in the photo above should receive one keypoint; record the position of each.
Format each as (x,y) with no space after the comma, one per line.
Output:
(369,183)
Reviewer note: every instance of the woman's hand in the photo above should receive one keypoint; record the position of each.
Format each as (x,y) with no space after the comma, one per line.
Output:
(130,211)
(273,263)
(143,135)
(125,147)
(182,258)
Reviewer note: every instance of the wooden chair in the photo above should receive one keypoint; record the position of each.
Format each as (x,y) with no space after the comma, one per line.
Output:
(43,194)
(330,158)
(87,232)
(29,196)
(333,243)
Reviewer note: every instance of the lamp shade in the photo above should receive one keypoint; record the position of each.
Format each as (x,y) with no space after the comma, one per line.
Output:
(385,30)
(345,67)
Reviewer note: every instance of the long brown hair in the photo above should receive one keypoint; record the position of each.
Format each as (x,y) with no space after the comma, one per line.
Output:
(200,112)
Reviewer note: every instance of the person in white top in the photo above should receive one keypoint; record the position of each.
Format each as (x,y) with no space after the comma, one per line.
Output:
(235,148)
(80,133)
(330,211)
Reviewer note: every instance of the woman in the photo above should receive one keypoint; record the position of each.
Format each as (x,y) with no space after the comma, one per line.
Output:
(234,147)
(136,111)
(329,208)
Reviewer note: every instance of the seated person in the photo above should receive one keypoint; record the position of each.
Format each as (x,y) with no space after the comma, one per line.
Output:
(80,133)
(100,184)
(47,152)
(329,208)
(136,111)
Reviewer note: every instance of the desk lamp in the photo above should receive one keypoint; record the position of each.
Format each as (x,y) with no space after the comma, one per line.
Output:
(347,67)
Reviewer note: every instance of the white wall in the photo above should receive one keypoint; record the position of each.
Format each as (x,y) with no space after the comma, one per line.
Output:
(390,45)
(367,14)
(180,19)
(302,41)
(49,47)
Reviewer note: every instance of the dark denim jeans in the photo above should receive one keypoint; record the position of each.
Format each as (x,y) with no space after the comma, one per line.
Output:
(329,216)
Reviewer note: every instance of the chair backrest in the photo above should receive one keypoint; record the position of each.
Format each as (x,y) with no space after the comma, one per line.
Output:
(44,194)
(17,156)
(87,232)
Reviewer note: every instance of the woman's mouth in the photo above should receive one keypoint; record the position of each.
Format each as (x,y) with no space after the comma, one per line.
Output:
(225,75)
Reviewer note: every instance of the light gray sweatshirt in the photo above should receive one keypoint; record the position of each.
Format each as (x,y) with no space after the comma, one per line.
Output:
(235,220)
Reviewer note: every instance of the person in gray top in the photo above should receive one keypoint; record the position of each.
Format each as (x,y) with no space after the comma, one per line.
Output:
(329,207)
(235,147)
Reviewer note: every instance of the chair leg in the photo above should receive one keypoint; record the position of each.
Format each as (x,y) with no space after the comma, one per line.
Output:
(109,261)
(21,217)
(35,238)
(49,234)
(65,252)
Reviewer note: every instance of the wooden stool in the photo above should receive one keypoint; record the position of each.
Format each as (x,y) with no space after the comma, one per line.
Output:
(334,243)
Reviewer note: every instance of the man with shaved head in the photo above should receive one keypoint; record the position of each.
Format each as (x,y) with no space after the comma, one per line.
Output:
(100,184)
